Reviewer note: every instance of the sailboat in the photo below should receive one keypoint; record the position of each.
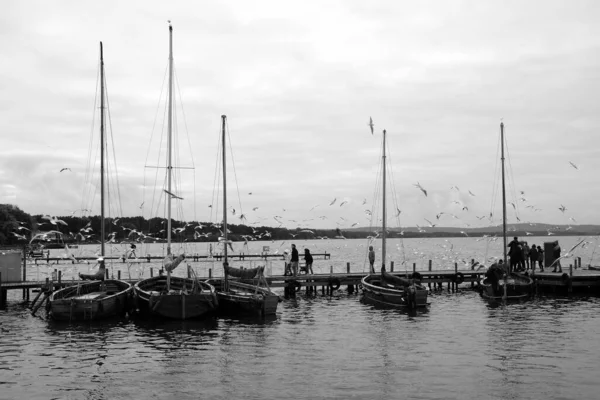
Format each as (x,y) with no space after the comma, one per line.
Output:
(386,289)
(241,290)
(501,284)
(100,298)
(166,295)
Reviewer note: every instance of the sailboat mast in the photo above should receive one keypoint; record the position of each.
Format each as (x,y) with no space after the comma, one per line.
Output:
(384,233)
(169,141)
(223,117)
(503,189)
(102,229)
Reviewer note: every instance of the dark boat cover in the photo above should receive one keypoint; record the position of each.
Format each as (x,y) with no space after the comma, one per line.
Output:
(244,273)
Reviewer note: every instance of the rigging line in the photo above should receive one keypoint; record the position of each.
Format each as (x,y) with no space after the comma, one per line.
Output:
(118,194)
(153,130)
(512,178)
(496,181)
(216,180)
(374,206)
(234,170)
(90,145)
(395,202)
(157,192)
(184,116)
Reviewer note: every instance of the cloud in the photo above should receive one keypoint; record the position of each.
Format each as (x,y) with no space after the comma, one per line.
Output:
(298,83)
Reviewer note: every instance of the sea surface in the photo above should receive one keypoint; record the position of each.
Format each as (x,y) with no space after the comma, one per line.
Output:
(325,347)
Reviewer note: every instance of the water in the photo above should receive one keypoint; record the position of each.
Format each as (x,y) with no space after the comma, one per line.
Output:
(324,347)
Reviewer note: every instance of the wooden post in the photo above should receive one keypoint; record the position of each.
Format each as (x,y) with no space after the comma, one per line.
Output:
(210,273)
(151,272)
(347,267)
(331,270)
(107,277)
(472,269)
(25,291)
(455,284)
(119,275)
(414,267)
(579,261)
(391,266)
(571,269)
(59,277)
(429,283)
(2,305)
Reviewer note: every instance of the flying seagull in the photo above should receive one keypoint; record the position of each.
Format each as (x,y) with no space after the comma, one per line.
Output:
(562,208)
(418,185)
(573,165)
(68,169)
(371,125)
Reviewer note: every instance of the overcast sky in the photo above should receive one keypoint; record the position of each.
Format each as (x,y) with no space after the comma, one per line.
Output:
(298,82)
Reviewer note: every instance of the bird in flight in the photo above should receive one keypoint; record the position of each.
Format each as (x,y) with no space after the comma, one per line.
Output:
(562,208)
(65,169)
(471,193)
(333,202)
(418,185)
(573,165)
(371,125)
(343,202)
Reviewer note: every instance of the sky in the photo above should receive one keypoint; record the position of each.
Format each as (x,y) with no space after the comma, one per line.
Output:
(298,82)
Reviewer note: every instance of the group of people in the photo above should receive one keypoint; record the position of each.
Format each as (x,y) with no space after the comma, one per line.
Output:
(292,261)
(524,258)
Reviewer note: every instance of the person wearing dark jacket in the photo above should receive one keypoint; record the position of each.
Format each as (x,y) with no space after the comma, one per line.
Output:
(533,256)
(556,255)
(294,261)
(308,258)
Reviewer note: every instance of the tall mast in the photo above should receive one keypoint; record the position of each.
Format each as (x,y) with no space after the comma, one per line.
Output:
(169,141)
(223,117)
(102,230)
(383,236)
(503,189)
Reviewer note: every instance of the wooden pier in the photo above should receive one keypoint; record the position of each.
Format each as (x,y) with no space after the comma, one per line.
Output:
(569,281)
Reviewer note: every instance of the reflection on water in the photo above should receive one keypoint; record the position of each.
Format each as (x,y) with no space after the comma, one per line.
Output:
(315,347)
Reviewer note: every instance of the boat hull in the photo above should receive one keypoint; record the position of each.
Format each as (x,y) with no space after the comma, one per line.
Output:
(245,298)
(375,291)
(91,301)
(518,287)
(188,298)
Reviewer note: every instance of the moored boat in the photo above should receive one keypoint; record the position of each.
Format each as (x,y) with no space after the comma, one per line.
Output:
(99,298)
(171,296)
(501,284)
(181,298)
(91,301)
(241,290)
(386,289)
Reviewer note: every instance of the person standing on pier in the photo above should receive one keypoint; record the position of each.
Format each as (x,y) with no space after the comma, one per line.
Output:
(533,257)
(526,255)
(514,253)
(556,256)
(372,259)
(294,261)
(308,258)
(541,258)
